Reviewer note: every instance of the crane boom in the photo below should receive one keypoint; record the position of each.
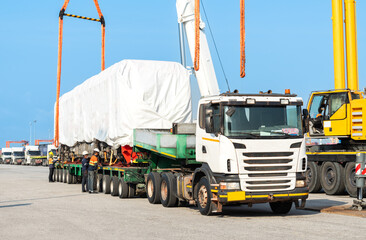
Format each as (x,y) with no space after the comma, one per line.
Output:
(206,77)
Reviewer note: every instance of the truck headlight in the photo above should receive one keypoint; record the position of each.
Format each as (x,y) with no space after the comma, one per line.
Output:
(300,183)
(229,185)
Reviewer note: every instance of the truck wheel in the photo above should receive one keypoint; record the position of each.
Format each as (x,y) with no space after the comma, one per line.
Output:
(350,180)
(153,187)
(69,178)
(100,183)
(281,207)
(131,190)
(312,177)
(332,178)
(106,184)
(57,175)
(61,173)
(168,196)
(204,197)
(122,188)
(114,186)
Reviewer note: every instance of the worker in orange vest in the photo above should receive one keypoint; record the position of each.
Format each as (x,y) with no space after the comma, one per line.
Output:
(51,166)
(92,168)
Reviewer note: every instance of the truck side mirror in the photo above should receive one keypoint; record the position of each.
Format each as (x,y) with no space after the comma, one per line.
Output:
(209,120)
(305,120)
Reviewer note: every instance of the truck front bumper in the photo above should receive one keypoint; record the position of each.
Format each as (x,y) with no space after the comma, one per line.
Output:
(227,197)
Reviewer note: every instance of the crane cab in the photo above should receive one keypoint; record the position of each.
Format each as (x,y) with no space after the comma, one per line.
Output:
(338,113)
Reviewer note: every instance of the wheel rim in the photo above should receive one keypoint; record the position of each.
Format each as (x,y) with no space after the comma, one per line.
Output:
(202,196)
(150,188)
(309,175)
(330,176)
(352,178)
(164,190)
(120,188)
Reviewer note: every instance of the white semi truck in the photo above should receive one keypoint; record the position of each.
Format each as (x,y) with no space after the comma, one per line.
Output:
(17,155)
(244,148)
(32,155)
(6,155)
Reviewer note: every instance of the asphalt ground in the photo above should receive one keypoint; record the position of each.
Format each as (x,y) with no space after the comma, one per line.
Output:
(33,208)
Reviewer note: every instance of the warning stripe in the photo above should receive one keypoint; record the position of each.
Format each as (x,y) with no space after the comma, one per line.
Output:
(82,17)
(363,172)
(358,168)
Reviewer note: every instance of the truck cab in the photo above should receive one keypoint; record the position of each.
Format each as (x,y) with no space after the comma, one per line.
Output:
(336,113)
(6,155)
(253,144)
(30,153)
(17,155)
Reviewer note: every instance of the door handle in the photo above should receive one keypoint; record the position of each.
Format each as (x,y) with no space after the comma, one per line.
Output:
(204,149)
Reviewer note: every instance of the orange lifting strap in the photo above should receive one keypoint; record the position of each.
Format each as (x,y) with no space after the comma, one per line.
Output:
(197,28)
(242,38)
(61,16)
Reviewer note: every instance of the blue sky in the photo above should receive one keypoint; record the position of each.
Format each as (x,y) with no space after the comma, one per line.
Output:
(289,45)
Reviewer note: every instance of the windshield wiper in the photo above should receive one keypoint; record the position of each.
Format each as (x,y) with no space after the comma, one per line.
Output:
(249,134)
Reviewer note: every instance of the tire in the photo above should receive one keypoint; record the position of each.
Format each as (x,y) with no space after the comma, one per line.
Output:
(114,186)
(74,179)
(332,178)
(69,178)
(131,190)
(106,184)
(54,175)
(65,175)
(312,177)
(281,207)
(61,173)
(99,181)
(350,180)
(57,175)
(122,189)
(153,187)
(204,196)
(168,190)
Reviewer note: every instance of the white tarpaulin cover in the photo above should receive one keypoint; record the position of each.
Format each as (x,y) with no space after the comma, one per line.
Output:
(130,94)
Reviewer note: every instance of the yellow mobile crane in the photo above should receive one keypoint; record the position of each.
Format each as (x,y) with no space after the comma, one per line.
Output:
(338,114)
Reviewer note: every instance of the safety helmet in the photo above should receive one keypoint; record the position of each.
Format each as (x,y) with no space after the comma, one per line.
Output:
(85,153)
(96,150)
(51,153)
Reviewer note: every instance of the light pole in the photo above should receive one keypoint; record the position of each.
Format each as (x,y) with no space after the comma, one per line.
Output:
(30,132)
(34,132)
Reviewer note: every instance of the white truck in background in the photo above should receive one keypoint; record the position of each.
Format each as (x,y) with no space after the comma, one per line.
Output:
(17,155)
(32,155)
(6,155)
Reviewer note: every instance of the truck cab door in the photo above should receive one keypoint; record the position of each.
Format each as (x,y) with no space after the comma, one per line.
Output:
(328,114)
(207,138)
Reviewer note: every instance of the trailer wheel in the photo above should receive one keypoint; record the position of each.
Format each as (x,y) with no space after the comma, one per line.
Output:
(168,195)
(74,179)
(65,175)
(312,177)
(99,183)
(114,186)
(69,178)
(153,187)
(332,178)
(61,175)
(131,190)
(204,197)
(281,207)
(122,188)
(57,174)
(106,184)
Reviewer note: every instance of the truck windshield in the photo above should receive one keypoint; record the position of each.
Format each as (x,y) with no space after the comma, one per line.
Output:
(6,153)
(262,121)
(34,153)
(18,154)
